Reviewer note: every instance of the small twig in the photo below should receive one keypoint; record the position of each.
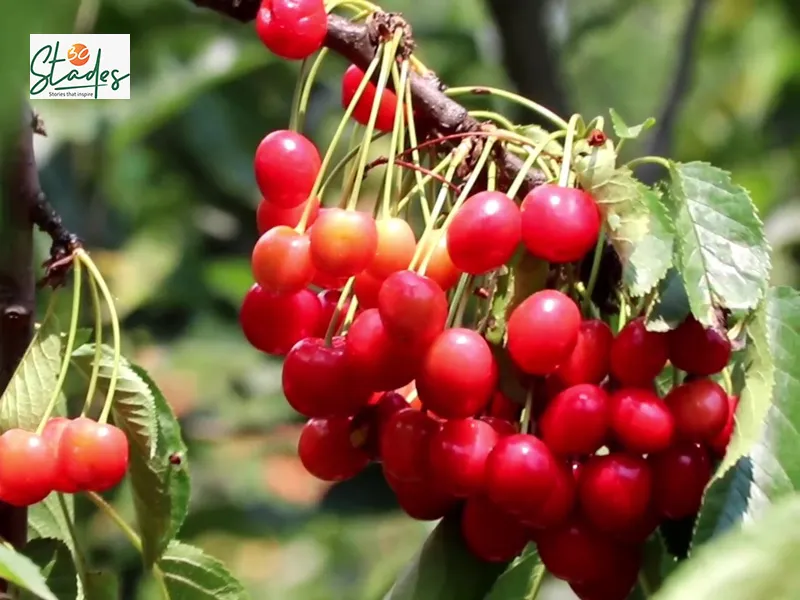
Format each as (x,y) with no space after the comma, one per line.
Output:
(383,160)
(64,243)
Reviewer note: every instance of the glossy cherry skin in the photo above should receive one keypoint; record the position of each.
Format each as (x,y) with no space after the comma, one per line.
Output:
(615,585)
(614,491)
(422,500)
(458,453)
(590,361)
(638,355)
(366,288)
(697,350)
(292,29)
(576,421)
(28,467)
(559,503)
(405,444)
(413,307)
(700,408)
(559,224)
(519,475)
(502,426)
(542,331)
(327,450)
(372,420)
(382,362)
(269,215)
(52,435)
(458,374)
(490,533)
(680,475)
(328,299)
(282,261)
(484,233)
(343,242)
(640,421)
(286,165)
(440,266)
(363,109)
(719,444)
(396,247)
(274,323)
(318,381)
(93,455)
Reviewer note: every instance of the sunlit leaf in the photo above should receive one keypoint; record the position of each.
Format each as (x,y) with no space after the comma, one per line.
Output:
(190,574)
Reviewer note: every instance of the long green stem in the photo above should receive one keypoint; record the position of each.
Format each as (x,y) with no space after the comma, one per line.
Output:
(419,187)
(598,255)
(515,98)
(98,346)
(296,118)
(458,295)
(337,311)
(398,120)
(526,412)
(339,166)
(492,116)
(642,160)
(566,164)
(412,139)
(532,158)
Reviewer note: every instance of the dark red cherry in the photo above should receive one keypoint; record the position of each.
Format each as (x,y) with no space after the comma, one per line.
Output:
(638,355)
(576,421)
(351,81)
(697,350)
(489,532)
(422,500)
(640,421)
(327,449)
(413,307)
(405,444)
(560,501)
(590,360)
(372,419)
(458,453)
(274,323)
(720,442)
(680,475)
(700,408)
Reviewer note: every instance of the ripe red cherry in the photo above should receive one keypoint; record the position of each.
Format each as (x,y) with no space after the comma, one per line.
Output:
(700,408)
(680,475)
(405,442)
(640,420)
(328,282)
(361,113)
(422,500)
(697,350)
(638,355)
(366,288)
(396,247)
(591,358)
(413,307)
(615,585)
(458,374)
(560,502)
(327,449)
(28,468)
(269,215)
(484,233)
(502,426)
(720,442)
(372,419)
(559,224)
(440,266)
(458,454)
(490,533)
(292,29)
(519,474)
(543,331)
(274,323)
(93,455)
(287,164)
(576,421)
(318,382)
(614,491)
(282,261)
(52,435)
(328,300)
(343,242)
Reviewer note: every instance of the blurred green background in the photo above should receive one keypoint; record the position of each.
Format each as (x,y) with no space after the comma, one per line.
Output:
(161,189)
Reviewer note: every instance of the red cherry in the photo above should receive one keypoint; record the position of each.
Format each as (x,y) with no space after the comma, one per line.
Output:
(396,247)
(328,282)
(700,408)
(274,323)
(287,164)
(638,355)
(680,475)
(484,233)
(636,533)
(352,79)
(560,502)
(328,300)
(457,374)
(543,331)
(422,500)
(372,419)
(28,469)
(440,266)
(576,421)
(366,288)
(519,474)
(318,382)
(501,426)
(458,454)
(697,350)
(720,442)
(490,533)
(270,215)
(382,362)
(640,421)
(343,242)
(413,307)
(292,29)
(93,455)
(405,442)
(614,491)
(327,451)
(559,224)
(282,261)
(590,360)
(615,585)
(502,407)
(52,435)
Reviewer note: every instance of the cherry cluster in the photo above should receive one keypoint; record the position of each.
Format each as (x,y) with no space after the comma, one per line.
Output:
(69,456)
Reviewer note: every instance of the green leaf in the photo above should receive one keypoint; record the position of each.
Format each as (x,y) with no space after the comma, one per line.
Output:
(521,579)
(629,132)
(720,248)
(23,572)
(672,306)
(160,488)
(101,585)
(46,520)
(445,570)
(54,559)
(190,574)
(753,562)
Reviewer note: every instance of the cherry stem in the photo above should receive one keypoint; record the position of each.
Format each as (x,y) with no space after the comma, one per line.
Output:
(491,176)
(526,412)
(493,116)
(73,329)
(727,380)
(357,5)
(98,346)
(297,116)
(383,160)
(623,311)
(598,255)
(337,311)
(412,139)
(642,160)
(80,560)
(339,167)
(395,140)
(515,98)
(431,175)
(400,83)
(529,162)
(351,313)
(457,300)
(566,163)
